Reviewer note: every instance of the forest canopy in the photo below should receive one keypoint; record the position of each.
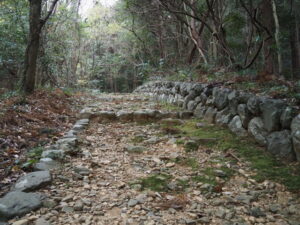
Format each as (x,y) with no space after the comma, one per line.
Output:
(116,45)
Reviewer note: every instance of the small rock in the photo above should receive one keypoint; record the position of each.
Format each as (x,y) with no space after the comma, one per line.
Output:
(190,222)
(132,202)
(42,221)
(257,212)
(78,205)
(169,165)
(21,222)
(67,209)
(220,213)
(204,220)
(274,208)
(49,203)
(141,198)
(247,199)
(220,173)
(82,170)
(135,149)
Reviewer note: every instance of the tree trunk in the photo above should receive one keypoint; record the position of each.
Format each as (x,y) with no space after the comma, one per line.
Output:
(295,48)
(277,37)
(33,46)
(268,22)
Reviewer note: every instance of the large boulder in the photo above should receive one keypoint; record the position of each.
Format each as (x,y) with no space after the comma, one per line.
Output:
(46,164)
(124,116)
(105,116)
(295,127)
(296,144)
(191,105)
(210,101)
(86,113)
(287,116)
(236,126)
(145,115)
(210,114)
(253,105)
(192,95)
(185,89)
(271,111)
(203,98)
(198,88)
(279,143)
(244,114)
(80,124)
(208,90)
(185,115)
(224,116)
(220,97)
(19,203)
(200,110)
(233,101)
(257,130)
(33,181)
(244,97)
(53,154)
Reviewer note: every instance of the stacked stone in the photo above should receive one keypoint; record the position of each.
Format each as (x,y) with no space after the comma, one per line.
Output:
(273,123)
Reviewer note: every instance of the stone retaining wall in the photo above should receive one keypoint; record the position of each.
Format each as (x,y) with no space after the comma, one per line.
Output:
(273,123)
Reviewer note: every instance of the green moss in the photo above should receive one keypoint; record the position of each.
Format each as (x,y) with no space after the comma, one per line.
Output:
(205,180)
(189,162)
(35,152)
(168,107)
(137,139)
(157,182)
(265,165)
(183,184)
(191,146)
(179,142)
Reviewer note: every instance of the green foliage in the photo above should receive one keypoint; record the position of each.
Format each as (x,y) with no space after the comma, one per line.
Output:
(33,157)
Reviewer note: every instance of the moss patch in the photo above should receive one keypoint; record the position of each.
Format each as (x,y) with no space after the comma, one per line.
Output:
(191,146)
(189,162)
(265,165)
(168,107)
(137,139)
(156,182)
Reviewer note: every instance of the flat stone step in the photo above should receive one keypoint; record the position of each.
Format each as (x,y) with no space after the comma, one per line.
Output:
(33,181)
(46,164)
(17,203)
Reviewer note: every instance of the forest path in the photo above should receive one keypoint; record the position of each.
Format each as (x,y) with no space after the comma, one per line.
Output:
(132,173)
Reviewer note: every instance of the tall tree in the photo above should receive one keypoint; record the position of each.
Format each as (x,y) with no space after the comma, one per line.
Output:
(36,24)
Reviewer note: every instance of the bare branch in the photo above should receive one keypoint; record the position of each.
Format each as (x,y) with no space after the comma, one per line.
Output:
(49,13)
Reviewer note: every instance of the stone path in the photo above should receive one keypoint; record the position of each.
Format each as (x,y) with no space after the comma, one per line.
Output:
(126,172)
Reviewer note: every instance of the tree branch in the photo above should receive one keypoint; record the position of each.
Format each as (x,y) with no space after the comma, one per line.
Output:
(49,13)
